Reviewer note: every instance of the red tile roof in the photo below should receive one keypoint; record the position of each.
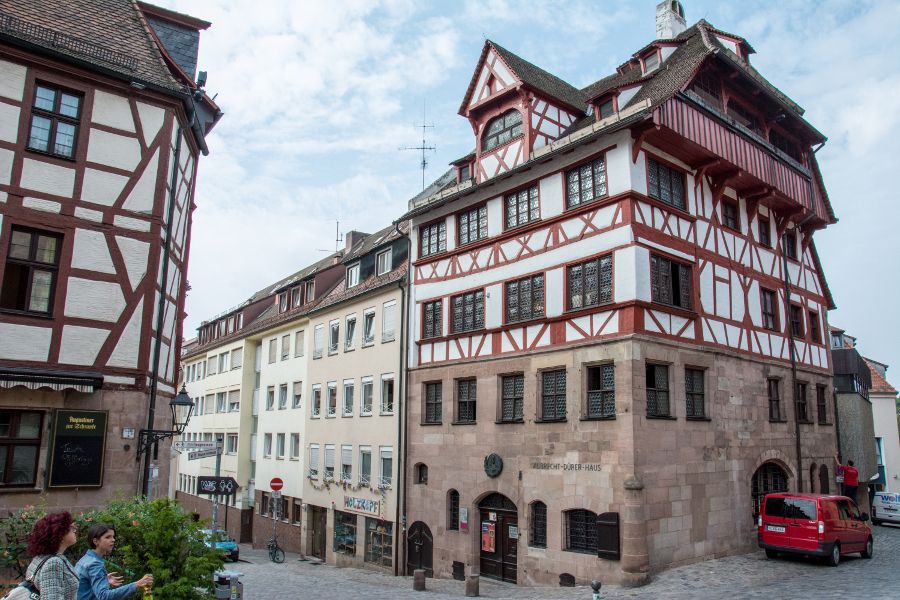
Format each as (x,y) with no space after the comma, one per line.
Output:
(879,383)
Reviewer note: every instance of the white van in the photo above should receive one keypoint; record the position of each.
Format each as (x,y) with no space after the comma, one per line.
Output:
(886,508)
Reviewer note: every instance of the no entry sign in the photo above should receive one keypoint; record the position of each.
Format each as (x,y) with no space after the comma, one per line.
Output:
(276,484)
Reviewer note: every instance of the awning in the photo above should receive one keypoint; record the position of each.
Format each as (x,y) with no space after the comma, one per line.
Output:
(36,379)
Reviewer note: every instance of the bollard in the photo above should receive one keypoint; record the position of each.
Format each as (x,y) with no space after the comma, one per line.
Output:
(595,585)
(472,586)
(419,580)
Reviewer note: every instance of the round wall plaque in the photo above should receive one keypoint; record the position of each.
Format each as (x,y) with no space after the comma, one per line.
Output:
(493,464)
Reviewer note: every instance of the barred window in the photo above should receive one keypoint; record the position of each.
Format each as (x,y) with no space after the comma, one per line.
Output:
(694,393)
(774,400)
(468,311)
(586,183)
(657,377)
(432,325)
(802,404)
(581,531)
(433,399)
(553,396)
(472,225)
(466,395)
(504,128)
(601,392)
(525,299)
(821,405)
(511,409)
(769,316)
(590,283)
(707,86)
(670,282)
(522,207)
(665,183)
(538,525)
(453,510)
(433,238)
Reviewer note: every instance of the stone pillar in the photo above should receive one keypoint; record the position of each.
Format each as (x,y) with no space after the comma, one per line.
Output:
(419,580)
(635,558)
(472,586)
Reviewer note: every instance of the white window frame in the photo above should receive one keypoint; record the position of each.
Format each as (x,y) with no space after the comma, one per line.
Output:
(234,405)
(285,346)
(318,341)
(282,396)
(270,397)
(221,402)
(347,461)
(365,478)
(329,453)
(315,408)
(347,408)
(299,342)
(353,275)
(389,308)
(313,468)
(279,446)
(366,382)
(331,411)
(384,452)
(237,358)
(369,313)
(295,446)
(297,398)
(231,443)
(349,332)
(384,378)
(267,445)
(388,262)
(334,336)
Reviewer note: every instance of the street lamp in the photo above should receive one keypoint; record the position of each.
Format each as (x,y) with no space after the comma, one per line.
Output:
(182,408)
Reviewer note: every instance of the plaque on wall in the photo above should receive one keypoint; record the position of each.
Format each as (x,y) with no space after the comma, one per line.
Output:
(493,465)
(77,448)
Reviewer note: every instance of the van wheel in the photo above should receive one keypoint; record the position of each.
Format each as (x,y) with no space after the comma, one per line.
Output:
(771,553)
(834,559)
(870,549)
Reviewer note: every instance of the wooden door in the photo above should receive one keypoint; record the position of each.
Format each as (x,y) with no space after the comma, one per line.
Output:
(499,544)
(318,523)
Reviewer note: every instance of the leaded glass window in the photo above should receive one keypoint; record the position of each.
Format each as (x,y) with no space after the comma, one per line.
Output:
(525,299)
(472,225)
(466,395)
(802,404)
(670,282)
(433,238)
(586,183)
(601,392)
(513,396)
(538,525)
(590,283)
(504,128)
(432,326)
(694,393)
(553,396)
(433,402)
(522,207)
(665,183)
(32,263)
(468,311)
(581,531)
(769,318)
(657,377)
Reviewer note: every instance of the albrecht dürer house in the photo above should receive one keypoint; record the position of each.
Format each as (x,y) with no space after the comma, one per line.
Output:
(617,317)
(101,127)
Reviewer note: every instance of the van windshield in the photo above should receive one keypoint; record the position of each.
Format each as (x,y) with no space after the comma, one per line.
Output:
(791,508)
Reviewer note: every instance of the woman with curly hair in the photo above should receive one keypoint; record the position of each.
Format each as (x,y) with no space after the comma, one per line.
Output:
(50,571)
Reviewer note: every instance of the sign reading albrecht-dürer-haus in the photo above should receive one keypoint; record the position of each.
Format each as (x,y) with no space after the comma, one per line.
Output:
(544,466)
(361,505)
(78,447)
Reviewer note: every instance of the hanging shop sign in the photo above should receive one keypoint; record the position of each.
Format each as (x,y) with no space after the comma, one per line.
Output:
(78,448)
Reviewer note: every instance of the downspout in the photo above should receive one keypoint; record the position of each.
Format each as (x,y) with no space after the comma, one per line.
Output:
(401,408)
(160,306)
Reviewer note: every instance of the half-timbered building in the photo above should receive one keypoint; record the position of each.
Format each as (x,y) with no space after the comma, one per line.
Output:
(617,317)
(102,122)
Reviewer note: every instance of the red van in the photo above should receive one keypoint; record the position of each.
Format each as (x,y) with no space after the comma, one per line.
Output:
(814,525)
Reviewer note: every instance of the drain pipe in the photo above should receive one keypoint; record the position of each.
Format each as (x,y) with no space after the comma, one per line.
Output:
(401,408)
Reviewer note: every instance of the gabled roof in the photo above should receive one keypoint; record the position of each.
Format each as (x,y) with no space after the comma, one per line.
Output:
(530,75)
(879,383)
(111,35)
(375,240)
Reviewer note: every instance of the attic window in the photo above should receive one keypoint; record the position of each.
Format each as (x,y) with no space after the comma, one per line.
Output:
(465,172)
(606,108)
(651,62)
(706,85)
(502,129)
(742,116)
(784,144)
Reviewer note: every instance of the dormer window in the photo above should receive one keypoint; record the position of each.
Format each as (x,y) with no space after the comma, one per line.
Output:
(651,62)
(295,297)
(353,275)
(706,85)
(501,130)
(465,172)
(606,108)
(282,302)
(310,290)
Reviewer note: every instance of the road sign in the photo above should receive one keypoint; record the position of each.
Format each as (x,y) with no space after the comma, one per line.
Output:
(276,495)
(194,445)
(276,484)
(216,485)
(203,453)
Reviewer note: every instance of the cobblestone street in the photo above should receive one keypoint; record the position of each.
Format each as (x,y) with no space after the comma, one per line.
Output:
(746,576)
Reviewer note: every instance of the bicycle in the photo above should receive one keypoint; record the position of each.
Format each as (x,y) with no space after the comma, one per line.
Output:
(276,554)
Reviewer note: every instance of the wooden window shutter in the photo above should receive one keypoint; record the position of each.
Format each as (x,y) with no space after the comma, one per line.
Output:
(608,536)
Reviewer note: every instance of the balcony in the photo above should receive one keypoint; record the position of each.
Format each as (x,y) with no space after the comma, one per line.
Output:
(851,373)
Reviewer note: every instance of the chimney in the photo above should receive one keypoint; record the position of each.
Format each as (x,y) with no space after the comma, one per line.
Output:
(352,237)
(669,19)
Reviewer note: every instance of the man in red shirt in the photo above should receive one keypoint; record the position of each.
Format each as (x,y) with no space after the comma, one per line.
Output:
(851,478)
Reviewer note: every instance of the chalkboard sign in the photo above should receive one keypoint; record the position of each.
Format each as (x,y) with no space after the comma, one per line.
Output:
(78,445)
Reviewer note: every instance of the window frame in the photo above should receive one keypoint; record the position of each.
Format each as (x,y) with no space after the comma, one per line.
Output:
(11,443)
(55,117)
(432,403)
(657,414)
(485,143)
(769,319)
(481,233)
(822,405)
(789,249)
(670,169)
(476,325)
(315,406)
(515,401)
(331,394)
(797,325)
(590,533)
(352,276)
(599,260)
(436,308)
(553,416)
(368,318)
(595,196)
(312,468)
(349,332)
(731,214)
(32,264)
(603,390)
(773,384)
(514,196)
(366,382)
(365,478)
(815,332)
(386,405)
(453,510)
(389,308)
(541,298)
(764,225)
(691,393)
(347,408)
(655,285)
(389,262)
(437,227)
(466,393)
(538,537)
(801,403)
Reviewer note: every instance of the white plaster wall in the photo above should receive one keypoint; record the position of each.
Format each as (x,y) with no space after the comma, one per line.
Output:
(555,280)
(112,110)
(141,197)
(550,192)
(100,187)
(12,80)
(493,306)
(80,345)
(626,95)
(625,274)
(24,342)
(129,223)
(91,252)
(9,122)
(495,221)
(642,273)
(89,215)
(6,162)
(42,205)
(619,165)
(127,348)
(134,253)
(44,177)
(113,150)
(151,120)
(100,300)
(884,414)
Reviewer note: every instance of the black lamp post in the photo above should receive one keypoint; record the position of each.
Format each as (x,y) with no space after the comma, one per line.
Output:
(182,408)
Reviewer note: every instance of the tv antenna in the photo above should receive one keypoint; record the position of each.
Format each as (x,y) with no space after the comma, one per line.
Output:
(338,238)
(423,147)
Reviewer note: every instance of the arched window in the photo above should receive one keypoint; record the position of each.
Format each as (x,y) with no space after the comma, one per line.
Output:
(538,537)
(501,130)
(453,510)
(813,475)
(581,531)
(824,487)
(421,473)
(768,478)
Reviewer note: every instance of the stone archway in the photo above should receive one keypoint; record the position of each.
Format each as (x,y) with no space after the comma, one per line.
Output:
(419,549)
(499,530)
(769,477)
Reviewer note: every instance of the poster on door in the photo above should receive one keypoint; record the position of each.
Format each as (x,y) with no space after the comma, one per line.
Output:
(487,536)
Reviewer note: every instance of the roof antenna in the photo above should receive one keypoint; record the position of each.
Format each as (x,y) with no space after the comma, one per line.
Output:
(338,238)
(423,147)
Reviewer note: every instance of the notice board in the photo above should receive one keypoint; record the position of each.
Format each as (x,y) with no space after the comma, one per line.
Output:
(77,450)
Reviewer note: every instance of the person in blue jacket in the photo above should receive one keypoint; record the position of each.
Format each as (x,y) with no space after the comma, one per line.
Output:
(93,581)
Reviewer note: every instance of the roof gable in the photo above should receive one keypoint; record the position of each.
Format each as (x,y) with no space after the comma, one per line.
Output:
(492,76)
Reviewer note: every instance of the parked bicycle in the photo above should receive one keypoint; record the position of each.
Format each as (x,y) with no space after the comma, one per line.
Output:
(276,554)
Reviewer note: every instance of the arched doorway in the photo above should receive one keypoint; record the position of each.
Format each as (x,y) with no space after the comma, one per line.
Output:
(499,537)
(768,478)
(824,487)
(419,549)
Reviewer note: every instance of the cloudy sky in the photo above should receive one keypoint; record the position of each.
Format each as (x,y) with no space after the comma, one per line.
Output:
(320,97)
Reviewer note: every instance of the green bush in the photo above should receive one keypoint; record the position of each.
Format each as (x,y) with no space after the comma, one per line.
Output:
(152,536)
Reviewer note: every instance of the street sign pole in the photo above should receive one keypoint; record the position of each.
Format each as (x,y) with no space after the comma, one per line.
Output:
(215,508)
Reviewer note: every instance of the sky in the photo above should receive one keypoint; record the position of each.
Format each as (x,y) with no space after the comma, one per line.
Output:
(321,97)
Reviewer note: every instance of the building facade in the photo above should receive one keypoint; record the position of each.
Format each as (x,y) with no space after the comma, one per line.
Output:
(616,318)
(102,122)
(887,434)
